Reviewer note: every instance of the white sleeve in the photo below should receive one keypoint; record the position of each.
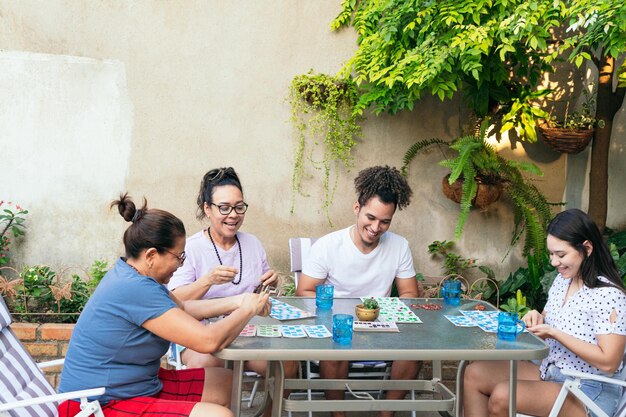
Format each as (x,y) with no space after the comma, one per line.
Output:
(315,265)
(405,266)
(184,275)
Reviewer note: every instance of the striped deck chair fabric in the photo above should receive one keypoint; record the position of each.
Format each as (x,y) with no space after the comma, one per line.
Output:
(22,381)
(20,378)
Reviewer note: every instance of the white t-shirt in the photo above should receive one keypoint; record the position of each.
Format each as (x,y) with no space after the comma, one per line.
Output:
(336,258)
(584,315)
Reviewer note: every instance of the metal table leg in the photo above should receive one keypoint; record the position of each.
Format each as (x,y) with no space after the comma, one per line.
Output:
(278,377)
(513,389)
(235,395)
(460,376)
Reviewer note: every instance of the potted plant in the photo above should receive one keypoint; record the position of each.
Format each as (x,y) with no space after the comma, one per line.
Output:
(573,133)
(476,165)
(516,305)
(368,311)
(323,115)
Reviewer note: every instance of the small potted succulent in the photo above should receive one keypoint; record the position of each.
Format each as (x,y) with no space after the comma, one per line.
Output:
(368,311)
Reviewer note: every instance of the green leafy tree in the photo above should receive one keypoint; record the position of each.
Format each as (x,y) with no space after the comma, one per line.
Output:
(596,33)
(490,50)
(495,52)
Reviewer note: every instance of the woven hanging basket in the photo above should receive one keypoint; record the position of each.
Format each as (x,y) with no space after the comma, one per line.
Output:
(566,140)
(487,193)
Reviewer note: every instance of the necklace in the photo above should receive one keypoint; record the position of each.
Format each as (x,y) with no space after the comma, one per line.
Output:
(220,259)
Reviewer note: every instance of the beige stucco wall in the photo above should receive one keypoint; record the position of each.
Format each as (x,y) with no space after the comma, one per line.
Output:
(146,96)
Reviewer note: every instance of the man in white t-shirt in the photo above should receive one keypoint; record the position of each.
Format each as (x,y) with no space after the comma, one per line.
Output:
(365,259)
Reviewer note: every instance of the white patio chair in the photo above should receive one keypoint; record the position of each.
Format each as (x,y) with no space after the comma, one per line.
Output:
(24,390)
(572,386)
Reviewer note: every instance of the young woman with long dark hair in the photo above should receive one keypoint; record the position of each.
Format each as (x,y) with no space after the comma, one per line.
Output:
(583,322)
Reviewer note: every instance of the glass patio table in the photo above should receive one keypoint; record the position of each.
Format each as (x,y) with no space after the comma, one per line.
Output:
(435,339)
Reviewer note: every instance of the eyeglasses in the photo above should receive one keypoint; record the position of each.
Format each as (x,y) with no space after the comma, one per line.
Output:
(181,258)
(226,209)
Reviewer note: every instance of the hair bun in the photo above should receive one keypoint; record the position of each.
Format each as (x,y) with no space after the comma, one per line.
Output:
(138,215)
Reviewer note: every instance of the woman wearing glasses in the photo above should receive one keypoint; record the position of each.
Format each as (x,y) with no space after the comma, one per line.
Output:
(221,260)
(131,318)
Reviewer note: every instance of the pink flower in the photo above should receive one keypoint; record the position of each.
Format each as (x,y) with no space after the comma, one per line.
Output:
(3,255)
(10,203)
(1,202)
(17,206)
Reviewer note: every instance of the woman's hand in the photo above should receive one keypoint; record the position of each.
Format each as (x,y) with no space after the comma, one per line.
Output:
(220,275)
(267,309)
(258,303)
(269,278)
(532,318)
(543,331)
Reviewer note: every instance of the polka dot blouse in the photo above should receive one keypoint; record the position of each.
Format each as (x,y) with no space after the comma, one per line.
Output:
(585,315)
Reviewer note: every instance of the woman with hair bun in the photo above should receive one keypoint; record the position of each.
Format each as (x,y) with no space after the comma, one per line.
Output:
(131,319)
(583,323)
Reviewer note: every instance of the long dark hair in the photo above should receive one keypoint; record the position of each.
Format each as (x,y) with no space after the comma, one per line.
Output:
(215,178)
(150,228)
(575,227)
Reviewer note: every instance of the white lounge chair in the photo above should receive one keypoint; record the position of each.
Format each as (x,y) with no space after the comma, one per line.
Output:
(24,390)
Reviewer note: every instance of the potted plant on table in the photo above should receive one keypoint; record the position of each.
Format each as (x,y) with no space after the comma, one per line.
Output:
(479,175)
(368,311)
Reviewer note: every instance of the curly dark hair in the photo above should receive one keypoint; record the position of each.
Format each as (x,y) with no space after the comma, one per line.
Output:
(384,182)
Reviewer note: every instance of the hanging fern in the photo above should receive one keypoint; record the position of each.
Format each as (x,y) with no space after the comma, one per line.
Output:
(417,148)
(532,211)
(463,166)
(469,190)
(478,161)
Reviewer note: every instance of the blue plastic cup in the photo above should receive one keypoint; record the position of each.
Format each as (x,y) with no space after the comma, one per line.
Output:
(508,325)
(451,292)
(342,328)
(324,296)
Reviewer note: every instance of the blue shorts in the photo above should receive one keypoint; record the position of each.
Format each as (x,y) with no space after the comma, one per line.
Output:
(605,396)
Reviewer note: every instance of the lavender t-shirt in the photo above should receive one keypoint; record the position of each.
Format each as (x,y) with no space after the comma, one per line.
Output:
(201,259)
